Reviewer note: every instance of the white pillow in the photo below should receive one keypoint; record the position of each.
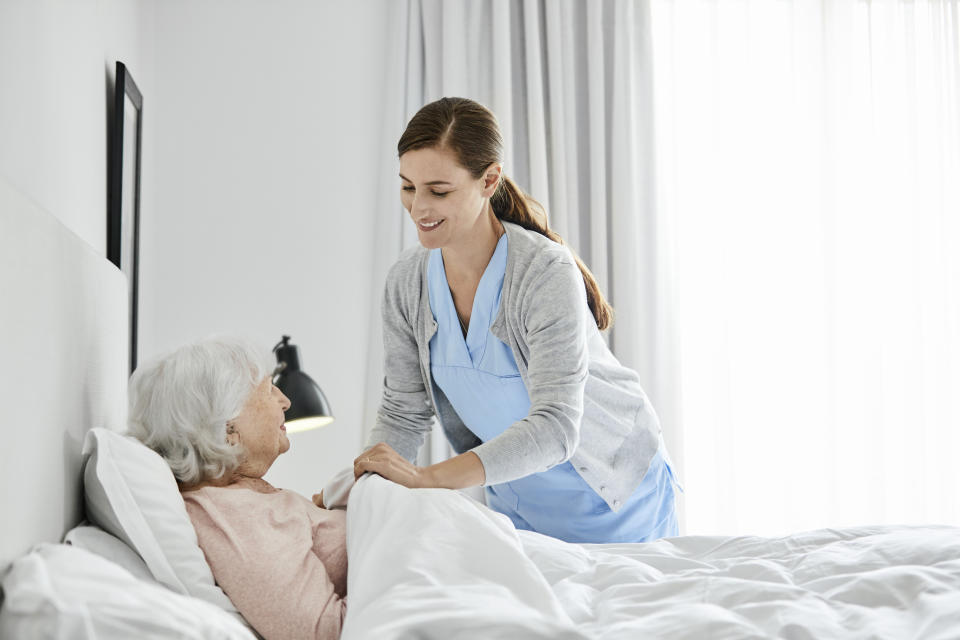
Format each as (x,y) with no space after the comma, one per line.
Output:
(62,591)
(131,493)
(99,542)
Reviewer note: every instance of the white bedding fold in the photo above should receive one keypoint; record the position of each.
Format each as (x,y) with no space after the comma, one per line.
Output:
(431,563)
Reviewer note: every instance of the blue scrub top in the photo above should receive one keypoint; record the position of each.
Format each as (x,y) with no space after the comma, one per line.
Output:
(479,376)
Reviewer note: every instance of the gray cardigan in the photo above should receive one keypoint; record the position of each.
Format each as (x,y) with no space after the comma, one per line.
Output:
(585,406)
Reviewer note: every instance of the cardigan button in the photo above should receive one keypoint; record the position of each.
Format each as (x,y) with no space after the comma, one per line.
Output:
(616,503)
(583,469)
(603,489)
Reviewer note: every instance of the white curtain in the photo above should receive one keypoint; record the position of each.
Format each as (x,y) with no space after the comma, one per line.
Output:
(570,83)
(809,158)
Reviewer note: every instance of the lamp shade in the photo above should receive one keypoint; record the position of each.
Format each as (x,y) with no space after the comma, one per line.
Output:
(309,408)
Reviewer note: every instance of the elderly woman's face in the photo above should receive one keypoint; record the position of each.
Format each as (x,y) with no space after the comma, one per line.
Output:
(259,428)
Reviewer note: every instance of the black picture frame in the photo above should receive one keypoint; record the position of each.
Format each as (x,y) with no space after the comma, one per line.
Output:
(123,217)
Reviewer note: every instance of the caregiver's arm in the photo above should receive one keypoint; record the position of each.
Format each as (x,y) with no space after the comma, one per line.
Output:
(459,472)
(404,416)
(555,316)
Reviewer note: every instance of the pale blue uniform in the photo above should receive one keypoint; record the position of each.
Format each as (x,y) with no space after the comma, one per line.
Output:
(480,378)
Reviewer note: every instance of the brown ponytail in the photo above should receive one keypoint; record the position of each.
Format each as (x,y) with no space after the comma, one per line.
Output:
(512,204)
(471,131)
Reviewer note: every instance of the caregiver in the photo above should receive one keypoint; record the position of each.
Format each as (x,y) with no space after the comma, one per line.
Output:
(493,325)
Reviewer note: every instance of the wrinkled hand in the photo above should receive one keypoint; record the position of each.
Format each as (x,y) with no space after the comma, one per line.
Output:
(383,460)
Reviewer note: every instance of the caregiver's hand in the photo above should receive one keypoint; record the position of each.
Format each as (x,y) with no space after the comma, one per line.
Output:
(459,472)
(383,460)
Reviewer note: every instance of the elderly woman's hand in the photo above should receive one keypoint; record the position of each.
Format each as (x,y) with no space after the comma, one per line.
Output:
(383,460)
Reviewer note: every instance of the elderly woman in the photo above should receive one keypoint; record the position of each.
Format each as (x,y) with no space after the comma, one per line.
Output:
(211,410)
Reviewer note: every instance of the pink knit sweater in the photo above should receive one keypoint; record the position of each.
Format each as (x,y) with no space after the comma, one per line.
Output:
(280,559)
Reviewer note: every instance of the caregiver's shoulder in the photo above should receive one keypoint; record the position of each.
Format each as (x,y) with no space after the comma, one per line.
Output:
(536,254)
(407,266)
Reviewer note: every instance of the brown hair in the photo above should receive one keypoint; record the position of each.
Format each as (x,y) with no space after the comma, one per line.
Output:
(471,131)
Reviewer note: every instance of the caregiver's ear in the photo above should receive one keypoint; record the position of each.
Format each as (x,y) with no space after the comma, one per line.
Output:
(491,178)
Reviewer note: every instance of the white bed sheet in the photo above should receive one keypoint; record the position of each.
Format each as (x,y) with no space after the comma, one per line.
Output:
(434,564)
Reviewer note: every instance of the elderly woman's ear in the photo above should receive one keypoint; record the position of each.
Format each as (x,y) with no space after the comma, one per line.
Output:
(233,436)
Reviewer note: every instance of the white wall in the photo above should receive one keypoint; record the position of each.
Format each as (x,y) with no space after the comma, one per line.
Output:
(267,120)
(57,60)
(63,304)
(261,130)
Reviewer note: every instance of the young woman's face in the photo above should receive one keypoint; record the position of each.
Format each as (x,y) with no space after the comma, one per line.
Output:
(443,199)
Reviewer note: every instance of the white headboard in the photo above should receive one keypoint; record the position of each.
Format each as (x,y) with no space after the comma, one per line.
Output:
(63,368)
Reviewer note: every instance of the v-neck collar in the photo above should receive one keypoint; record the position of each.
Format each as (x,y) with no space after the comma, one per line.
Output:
(486,301)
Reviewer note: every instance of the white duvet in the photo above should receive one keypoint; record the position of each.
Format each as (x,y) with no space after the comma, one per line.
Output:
(431,563)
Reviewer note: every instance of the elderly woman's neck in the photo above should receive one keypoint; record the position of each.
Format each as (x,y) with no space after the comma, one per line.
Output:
(232,481)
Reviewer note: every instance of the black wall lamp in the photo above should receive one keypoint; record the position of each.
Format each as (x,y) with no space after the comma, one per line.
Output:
(309,408)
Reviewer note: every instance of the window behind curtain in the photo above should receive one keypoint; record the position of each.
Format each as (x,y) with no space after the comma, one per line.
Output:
(808,157)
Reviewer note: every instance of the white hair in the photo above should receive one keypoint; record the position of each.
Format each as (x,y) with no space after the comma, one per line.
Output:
(180,404)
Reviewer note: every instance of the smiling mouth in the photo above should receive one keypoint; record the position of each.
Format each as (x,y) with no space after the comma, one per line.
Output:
(429,226)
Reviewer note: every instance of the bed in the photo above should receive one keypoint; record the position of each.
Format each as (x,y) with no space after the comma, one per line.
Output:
(96,542)
(434,564)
